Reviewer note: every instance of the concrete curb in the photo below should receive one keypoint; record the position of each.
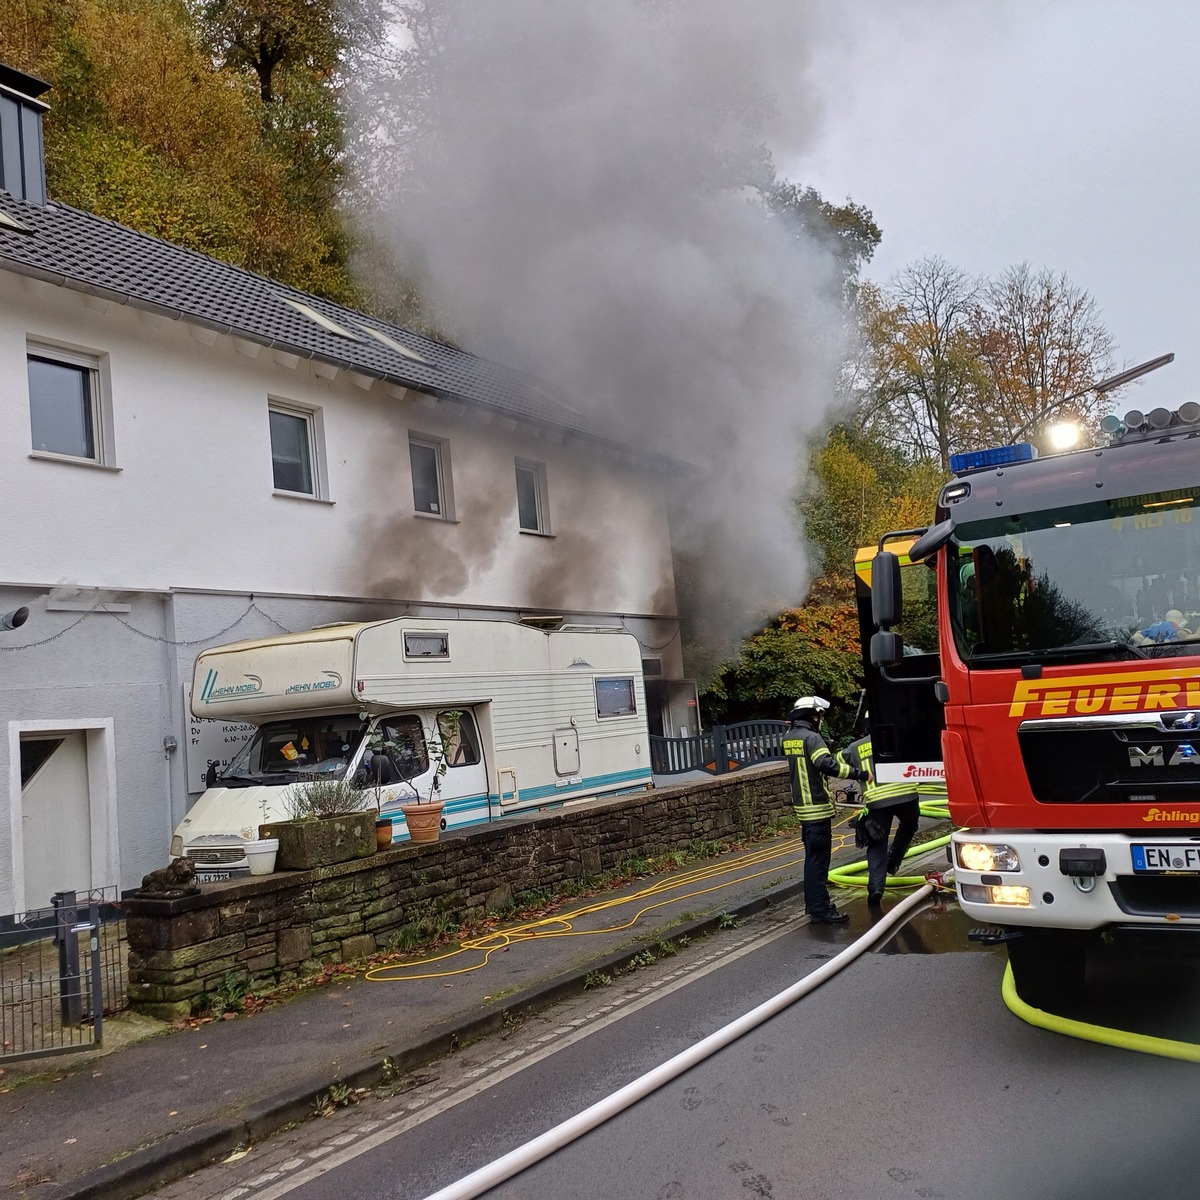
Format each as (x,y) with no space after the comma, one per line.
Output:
(181,1153)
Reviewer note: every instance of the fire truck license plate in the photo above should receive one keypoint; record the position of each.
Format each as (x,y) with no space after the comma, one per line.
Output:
(1166,858)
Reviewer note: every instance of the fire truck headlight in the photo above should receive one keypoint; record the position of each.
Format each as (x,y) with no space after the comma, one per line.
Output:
(980,856)
(1007,893)
(177,847)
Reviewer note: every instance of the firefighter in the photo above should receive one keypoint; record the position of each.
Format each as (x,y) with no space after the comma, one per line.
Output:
(883,801)
(810,761)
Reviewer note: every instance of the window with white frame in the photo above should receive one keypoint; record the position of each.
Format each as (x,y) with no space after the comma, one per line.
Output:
(615,697)
(295,449)
(532,509)
(67,412)
(430,461)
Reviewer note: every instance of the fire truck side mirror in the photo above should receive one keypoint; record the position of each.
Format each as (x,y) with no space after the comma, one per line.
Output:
(887,648)
(885,590)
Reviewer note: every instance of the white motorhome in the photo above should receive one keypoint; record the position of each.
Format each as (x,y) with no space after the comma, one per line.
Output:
(542,717)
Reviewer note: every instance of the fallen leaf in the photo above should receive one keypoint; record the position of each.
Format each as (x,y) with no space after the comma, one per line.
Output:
(204,1047)
(173,1113)
(346,1026)
(70,1141)
(236,1155)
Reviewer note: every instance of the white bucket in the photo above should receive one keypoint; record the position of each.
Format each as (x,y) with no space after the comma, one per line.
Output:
(261,855)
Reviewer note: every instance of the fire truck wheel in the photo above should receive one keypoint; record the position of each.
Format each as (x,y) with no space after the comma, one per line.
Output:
(1048,968)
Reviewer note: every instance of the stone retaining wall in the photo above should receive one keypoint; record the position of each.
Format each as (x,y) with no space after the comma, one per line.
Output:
(273,928)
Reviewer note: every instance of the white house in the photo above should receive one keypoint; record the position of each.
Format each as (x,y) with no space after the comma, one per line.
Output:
(194,454)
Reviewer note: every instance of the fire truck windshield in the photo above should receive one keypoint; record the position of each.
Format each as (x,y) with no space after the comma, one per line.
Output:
(1107,580)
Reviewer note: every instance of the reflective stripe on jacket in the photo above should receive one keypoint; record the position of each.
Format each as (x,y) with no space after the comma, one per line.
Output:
(877,795)
(810,761)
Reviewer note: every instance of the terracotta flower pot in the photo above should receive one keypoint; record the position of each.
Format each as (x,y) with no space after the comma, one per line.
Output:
(424,821)
(383,833)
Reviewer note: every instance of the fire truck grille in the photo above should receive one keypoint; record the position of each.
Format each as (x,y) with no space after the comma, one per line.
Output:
(1111,766)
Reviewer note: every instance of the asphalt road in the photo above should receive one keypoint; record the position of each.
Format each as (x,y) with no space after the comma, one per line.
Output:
(905,1076)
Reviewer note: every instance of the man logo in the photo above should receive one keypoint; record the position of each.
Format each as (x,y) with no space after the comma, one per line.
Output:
(1182,755)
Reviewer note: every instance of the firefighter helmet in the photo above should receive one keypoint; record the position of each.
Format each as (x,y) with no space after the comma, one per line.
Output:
(812,706)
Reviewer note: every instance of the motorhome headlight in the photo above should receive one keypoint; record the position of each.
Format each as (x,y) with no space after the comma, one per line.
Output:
(984,856)
(177,847)
(1005,893)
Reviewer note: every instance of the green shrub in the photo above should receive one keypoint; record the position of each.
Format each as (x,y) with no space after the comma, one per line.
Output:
(325,798)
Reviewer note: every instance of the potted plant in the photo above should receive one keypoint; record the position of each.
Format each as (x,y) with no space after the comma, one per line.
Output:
(330,821)
(423,815)
(260,851)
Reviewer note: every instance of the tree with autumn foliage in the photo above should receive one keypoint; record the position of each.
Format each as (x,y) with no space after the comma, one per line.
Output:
(859,487)
(152,125)
(951,363)
(1040,345)
(813,648)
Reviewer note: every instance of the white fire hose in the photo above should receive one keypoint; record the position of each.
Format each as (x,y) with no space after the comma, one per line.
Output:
(515,1161)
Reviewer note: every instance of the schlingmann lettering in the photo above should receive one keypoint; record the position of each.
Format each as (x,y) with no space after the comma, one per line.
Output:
(1171,814)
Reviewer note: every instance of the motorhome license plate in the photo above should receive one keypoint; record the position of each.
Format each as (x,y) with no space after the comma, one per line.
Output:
(1152,859)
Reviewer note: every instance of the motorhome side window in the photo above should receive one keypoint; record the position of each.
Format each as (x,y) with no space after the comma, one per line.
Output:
(426,645)
(615,697)
(460,738)
(404,745)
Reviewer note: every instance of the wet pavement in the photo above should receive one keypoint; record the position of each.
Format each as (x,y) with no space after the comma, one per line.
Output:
(119,1124)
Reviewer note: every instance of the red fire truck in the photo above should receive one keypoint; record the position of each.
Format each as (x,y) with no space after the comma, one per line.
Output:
(1064,690)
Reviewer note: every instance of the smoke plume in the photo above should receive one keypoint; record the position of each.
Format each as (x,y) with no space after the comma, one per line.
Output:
(574,189)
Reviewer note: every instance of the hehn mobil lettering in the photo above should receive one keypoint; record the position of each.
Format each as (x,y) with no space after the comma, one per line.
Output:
(210,691)
(316,685)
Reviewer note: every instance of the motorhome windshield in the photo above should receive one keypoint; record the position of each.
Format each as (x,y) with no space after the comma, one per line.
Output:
(1109,580)
(300,748)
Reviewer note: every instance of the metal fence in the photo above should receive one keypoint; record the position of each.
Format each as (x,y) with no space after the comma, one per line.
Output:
(722,749)
(61,969)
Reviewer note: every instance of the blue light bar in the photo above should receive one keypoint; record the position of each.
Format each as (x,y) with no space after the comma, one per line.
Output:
(999,456)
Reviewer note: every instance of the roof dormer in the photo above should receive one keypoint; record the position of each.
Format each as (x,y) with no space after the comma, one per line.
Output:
(22,162)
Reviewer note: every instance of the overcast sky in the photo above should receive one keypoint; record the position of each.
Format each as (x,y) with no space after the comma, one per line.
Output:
(1061,132)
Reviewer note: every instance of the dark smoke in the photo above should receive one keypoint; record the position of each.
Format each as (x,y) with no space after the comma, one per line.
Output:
(578,201)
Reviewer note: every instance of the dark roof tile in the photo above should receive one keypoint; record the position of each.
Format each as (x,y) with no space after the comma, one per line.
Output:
(92,254)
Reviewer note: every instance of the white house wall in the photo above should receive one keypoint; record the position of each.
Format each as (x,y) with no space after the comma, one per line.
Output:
(186,530)
(192,505)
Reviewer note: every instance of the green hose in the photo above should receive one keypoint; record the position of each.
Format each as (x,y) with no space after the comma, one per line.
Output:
(1143,1043)
(855,874)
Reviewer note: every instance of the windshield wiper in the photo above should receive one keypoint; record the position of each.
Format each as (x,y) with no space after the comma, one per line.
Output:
(1070,651)
(1130,649)
(246,780)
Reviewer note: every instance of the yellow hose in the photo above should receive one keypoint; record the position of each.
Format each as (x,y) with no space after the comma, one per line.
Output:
(855,874)
(1122,1039)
